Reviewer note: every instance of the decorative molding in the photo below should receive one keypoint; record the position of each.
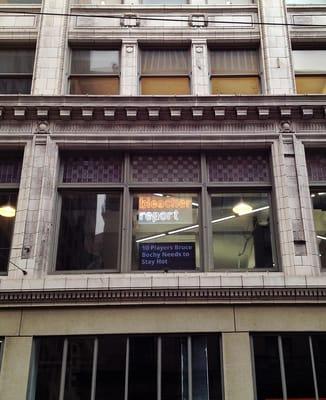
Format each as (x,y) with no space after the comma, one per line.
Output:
(163,296)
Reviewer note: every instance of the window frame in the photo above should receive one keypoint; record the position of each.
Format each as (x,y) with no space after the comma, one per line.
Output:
(89,75)
(127,188)
(315,188)
(258,75)
(148,47)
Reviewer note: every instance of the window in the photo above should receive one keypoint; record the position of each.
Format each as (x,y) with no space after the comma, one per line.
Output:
(16,71)
(307,2)
(162,223)
(234,71)
(165,72)
(95,72)
(316,165)
(20,1)
(97,2)
(290,366)
(127,367)
(90,230)
(1,349)
(310,71)
(164,2)
(231,2)
(10,170)
(241,220)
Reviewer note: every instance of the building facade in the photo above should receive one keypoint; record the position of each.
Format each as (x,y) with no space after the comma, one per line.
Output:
(162,199)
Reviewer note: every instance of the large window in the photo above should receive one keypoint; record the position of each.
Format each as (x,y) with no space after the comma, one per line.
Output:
(10,170)
(165,72)
(20,2)
(95,72)
(310,71)
(16,70)
(155,210)
(289,367)
(178,367)
(316,165)
(234,71)
(305,2)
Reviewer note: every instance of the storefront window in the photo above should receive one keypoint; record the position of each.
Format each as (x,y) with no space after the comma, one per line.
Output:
(241,225)
(118,367)
(165,233)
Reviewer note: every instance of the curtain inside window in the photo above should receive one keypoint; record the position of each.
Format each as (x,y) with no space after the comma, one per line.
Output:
(165,62)
(309,60)
(230,62)
(95,62)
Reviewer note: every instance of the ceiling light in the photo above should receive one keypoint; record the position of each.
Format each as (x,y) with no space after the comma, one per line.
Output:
(7,211)
(242,208)
(150,238)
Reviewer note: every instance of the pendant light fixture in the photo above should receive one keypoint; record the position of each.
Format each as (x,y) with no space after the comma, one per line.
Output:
(7,210)
(242,208)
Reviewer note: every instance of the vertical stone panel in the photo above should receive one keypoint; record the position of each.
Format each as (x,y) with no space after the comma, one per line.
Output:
(15,368)
(200,72)
(237,369)
(48,71)
(275,48)
(129,65)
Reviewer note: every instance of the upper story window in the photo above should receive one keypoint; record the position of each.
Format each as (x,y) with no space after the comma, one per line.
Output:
(95,72)
(231,2)
(10,170)
(97,2)
(310,71)
(234,71)
(18,2)
(164,2)
(16,70)
(130,367)
(163,223)
(305,2)
(165,72)
(289,366)
(316,164)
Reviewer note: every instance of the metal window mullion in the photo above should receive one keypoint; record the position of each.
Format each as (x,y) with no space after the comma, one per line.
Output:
(159,368)
(253,366)
(312,357)
(204,217)
(126,218)
(283,377)
(63,369)
(127,369)
(94,369)
(189,368)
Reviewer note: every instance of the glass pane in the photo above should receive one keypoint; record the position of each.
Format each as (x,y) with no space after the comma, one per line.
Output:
(235,85)
(15,85)
(111,365)
(298,368)
(174,368)
(314,84)
(95,62)
(7,199)
(319,346)
(20,1)
(48,367)
(214,368)
(309,60)
(79,369)
(97,2)
(95,85)
(165,85)
(164,62)
(241,231)
(142,368)
(89,236)
(17,61)
(234,62)
(231,2)
(306,1)
(319,212)
(163,2)
(165,231)
(199,358)
(267,368)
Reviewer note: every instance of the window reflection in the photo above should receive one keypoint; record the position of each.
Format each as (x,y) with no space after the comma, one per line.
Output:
(319,213)
(89,231)
(165,232)
(241,224)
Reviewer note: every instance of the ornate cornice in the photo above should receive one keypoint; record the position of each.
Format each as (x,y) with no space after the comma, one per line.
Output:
(163,296)
(166,108)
